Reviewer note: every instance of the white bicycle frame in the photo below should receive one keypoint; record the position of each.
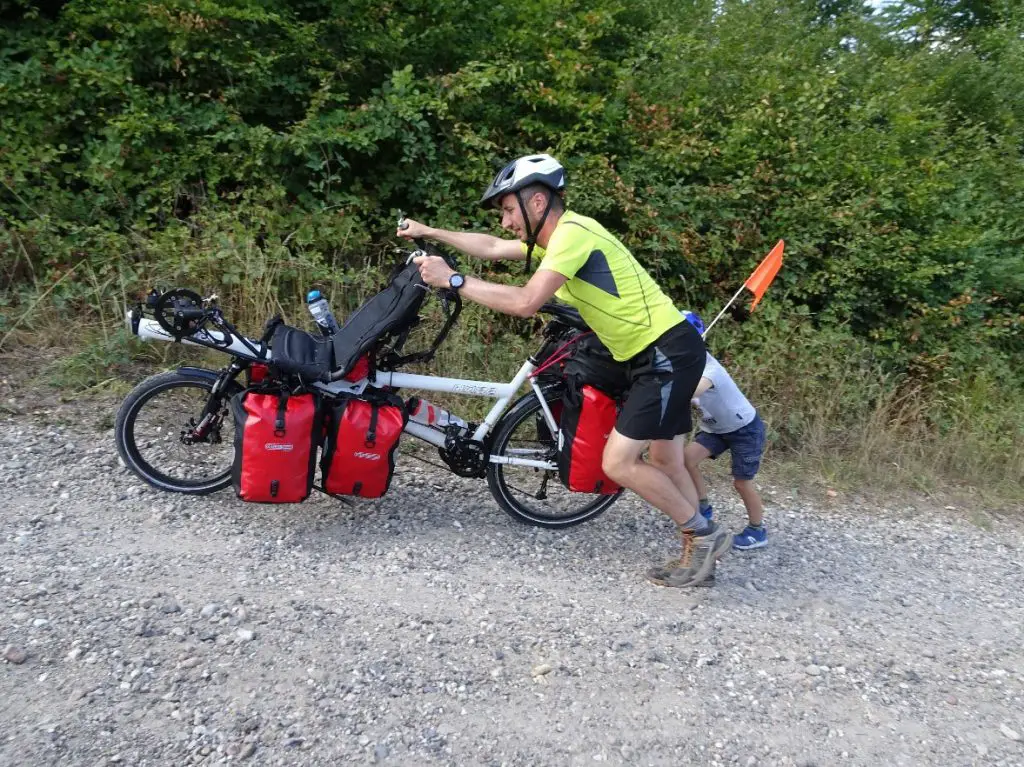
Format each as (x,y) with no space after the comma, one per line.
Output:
(502,392)
(148,329)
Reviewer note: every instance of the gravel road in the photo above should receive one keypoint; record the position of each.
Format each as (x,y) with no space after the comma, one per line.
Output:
(142,628)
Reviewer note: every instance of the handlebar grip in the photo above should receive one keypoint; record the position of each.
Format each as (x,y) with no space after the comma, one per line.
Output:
(191,314)
(431,250)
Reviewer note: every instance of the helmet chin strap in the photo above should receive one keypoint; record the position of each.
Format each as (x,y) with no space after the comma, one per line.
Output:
(531,235)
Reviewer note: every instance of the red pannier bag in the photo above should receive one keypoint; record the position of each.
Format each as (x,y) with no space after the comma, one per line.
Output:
(359,452)
(588,417)
(276,437)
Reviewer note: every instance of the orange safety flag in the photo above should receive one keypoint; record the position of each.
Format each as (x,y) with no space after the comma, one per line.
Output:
(758,282)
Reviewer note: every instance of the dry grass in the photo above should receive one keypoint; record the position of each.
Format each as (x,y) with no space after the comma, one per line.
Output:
(836,418)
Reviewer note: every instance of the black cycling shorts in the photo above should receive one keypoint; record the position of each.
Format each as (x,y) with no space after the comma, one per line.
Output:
(663,378)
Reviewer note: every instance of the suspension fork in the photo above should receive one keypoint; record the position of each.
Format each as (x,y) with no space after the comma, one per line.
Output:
(210,416)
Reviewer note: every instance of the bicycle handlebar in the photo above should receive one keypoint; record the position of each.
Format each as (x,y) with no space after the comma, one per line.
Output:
(426,247)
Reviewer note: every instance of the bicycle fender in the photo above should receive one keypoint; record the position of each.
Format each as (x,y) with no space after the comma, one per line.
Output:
(231,387)
(209,375)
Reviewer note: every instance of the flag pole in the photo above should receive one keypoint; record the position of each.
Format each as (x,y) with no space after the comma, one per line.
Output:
(761,278)
(724,310)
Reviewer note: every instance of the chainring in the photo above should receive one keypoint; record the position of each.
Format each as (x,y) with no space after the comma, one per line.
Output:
(167,311)
(465,457)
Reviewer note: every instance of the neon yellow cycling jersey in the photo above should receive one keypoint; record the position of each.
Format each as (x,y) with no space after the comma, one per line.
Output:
(614,294)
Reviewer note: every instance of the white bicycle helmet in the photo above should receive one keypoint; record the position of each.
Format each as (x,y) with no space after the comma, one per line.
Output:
(519,174)
(531,169)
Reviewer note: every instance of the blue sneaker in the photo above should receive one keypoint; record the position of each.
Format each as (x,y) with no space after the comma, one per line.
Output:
(751,538)
(707,512)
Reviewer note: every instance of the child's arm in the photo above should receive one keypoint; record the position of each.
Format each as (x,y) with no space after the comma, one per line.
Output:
(703,386)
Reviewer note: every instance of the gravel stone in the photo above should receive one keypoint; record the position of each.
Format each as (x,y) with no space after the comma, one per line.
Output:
(15,655)
(427,627)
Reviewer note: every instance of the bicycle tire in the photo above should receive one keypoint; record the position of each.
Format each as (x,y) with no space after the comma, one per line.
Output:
(128,442)
(510,498)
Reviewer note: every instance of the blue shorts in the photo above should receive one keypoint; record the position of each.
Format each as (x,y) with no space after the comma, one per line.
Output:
(746,445)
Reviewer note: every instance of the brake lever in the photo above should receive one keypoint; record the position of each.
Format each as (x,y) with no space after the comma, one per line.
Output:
(422,248)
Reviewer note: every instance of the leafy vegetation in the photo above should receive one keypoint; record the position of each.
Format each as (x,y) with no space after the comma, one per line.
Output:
(259,147)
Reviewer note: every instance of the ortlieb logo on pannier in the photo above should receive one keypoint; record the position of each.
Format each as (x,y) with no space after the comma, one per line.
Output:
(588,417)
(276,437)
(359,452)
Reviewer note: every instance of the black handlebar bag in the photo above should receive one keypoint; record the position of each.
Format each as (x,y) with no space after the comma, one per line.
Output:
(359,452)
(276,439)
(587,419)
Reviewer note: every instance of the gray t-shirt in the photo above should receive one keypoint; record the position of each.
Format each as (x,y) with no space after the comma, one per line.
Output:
(723,407)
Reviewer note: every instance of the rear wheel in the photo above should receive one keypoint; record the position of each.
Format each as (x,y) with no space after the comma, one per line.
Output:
(156,433)
(532,495)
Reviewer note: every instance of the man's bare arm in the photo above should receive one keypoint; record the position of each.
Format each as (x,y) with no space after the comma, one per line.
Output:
(476,244)
(510,299)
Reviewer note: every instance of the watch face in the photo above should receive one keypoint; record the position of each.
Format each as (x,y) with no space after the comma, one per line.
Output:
(456,281)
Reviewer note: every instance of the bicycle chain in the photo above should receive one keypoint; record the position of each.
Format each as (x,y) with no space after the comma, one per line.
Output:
(424,460)
(448,468)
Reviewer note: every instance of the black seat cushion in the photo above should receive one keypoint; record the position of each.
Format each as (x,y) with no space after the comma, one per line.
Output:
(296,352)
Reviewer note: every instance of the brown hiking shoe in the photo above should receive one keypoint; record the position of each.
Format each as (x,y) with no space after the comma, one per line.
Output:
(697,563)
(669,574)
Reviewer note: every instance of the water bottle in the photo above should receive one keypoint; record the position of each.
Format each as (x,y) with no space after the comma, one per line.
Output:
(321,312)
(427,414)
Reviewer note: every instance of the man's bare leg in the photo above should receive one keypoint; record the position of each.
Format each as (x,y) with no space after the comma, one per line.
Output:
(622,463)
(668,456)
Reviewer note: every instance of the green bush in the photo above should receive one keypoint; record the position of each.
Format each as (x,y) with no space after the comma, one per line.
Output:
(255,148)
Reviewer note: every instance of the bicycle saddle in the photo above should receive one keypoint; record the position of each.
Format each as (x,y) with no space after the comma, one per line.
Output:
(567,314)
(300,353)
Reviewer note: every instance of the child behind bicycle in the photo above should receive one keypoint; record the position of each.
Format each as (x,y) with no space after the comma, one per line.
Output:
(729,422)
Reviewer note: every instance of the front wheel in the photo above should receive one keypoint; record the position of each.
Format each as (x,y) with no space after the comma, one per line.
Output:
(159,437)
(531,495)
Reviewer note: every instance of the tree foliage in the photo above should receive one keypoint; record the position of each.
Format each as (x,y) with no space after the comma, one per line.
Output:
(886,149)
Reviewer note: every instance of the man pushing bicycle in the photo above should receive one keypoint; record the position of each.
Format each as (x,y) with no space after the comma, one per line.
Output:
(585,266)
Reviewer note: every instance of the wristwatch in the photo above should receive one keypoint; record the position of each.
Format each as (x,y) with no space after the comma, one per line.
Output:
(456,281)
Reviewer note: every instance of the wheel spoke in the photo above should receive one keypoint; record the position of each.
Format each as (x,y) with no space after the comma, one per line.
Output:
(522,434)
(157,439)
